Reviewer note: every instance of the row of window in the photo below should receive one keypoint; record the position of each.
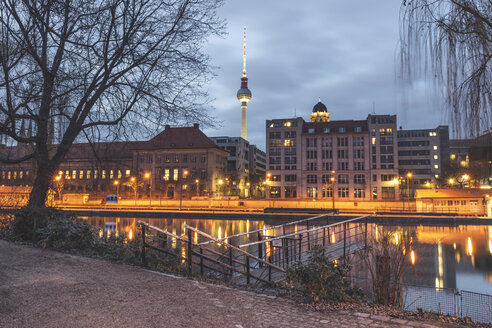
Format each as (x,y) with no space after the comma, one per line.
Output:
(149,158)
(341,166)
(341,179)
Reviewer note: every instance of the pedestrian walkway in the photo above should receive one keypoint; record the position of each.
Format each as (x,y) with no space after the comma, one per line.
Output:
(40,288)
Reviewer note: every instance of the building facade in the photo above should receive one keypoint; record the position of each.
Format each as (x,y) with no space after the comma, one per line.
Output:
(245,165)
(424,153)
(180,160)
(322,159)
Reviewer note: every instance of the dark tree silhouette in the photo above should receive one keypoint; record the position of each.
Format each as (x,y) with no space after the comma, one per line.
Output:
(451,40)
(92,66)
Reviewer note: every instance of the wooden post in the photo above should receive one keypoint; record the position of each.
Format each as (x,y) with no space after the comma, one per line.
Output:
(189,253)
(247,270)
(260,250)
(144,260)
(201,261)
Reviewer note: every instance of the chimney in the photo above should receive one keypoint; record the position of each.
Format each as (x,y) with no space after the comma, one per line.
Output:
(196,125)
(167,126)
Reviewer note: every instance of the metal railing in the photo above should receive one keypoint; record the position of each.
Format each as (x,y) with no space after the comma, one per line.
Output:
(449,301)
(262,261)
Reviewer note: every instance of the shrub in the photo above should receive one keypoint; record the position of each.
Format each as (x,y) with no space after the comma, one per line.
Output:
(320,280)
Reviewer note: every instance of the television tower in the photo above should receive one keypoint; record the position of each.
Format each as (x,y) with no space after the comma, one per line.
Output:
(243,94)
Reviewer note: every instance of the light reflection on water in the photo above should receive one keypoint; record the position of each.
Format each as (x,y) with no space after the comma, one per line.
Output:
(447,257)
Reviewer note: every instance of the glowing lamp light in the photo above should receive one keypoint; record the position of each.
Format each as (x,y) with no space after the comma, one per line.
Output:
(451,181)
(147,175)
(412,257)
(409,175)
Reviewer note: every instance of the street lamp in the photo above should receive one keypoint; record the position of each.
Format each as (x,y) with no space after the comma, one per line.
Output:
(117,184)
(185,175)
(135,186)
(149,176)
(409,176)
(332,179)
(197,181)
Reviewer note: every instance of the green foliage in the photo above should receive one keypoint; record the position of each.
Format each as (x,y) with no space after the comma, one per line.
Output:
(320,280)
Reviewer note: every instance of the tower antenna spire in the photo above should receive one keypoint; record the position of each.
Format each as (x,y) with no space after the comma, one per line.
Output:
(244,52)
(244,94)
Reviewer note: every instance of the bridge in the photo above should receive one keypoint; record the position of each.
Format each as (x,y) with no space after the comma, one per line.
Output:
(257,257)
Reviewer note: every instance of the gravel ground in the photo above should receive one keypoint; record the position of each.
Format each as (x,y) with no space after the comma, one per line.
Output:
(40,288)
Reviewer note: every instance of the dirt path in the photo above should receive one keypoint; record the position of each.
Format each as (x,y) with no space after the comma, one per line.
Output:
(40,288)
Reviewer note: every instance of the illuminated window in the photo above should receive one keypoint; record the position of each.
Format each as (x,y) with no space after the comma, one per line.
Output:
(111,174)
(437,176)
(373,140)
(21,174)
(436,166)
(3,175)
(81,174)
(15,175)
(74,174)
(175,174)
(9,175)
(127,173)
(95,174)
(435,147)
(436,157)
(166,174)
(119,174)
(67,174)
(88,174)
(104,174)
(453,156)
(287,123)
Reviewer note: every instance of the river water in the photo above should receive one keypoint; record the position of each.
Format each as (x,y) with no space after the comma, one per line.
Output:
(458,257)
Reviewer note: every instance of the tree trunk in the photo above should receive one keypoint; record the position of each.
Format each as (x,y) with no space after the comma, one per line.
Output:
(44,174)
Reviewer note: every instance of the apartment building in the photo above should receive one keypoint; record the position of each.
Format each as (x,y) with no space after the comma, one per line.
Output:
(424,153)
(322,159)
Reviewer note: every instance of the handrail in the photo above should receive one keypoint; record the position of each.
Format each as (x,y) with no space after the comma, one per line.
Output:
(237,249)
(139,222)
(270,228)
(303,231)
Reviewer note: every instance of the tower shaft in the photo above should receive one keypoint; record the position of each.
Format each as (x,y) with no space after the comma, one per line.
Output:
(244,123)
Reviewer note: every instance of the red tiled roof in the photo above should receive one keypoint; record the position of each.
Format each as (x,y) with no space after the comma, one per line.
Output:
(178,138)
(171,138)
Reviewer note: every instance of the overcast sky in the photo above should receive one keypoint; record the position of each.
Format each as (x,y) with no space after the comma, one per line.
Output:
(342,51)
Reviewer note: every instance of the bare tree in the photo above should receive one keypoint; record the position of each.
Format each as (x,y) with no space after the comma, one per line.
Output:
(451,41)
(95,64)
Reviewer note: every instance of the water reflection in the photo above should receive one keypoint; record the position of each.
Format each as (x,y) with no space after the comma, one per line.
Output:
(445,257)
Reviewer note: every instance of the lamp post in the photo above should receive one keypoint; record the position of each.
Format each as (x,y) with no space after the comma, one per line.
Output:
(149,176)
(185,175)
(197,181)
(135,186)
(117,184)
(332,179)
(409,176)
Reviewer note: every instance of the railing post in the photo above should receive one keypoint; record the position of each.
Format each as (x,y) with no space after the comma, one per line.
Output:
(365,233)
(247,270)
(344,239)
(300,247)
(270,260)
(144,260)
(230,260)
(324,236)
(308,241)
(328,233)
(189,253)
(201,261)
(260,250)
(286,251)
